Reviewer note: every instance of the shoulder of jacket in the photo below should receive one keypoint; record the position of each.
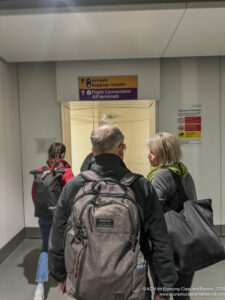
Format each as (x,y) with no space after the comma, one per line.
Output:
(138,177)
(143,183)
(162,173)
(163,176)
(76,180)
(73,186)
(188,178)
(141,178)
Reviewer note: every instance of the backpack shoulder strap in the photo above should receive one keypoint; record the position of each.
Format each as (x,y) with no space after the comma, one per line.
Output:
(90,175)
(35,172)
(129,178)
(60,170)
(180,188)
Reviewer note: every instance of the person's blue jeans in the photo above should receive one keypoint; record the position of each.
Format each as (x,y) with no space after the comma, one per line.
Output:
(42,269)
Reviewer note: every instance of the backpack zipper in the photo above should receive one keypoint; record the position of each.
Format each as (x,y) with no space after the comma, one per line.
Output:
(78,274)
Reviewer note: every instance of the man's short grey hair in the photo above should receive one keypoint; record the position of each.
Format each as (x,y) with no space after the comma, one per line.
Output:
(106,139)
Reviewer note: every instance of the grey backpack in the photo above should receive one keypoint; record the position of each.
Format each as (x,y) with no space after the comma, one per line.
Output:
(102,241)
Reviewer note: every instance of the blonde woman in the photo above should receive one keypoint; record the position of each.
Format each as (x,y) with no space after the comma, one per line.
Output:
(164,156)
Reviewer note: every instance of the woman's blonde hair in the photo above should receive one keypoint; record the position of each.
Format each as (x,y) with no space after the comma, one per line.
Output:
(166,147)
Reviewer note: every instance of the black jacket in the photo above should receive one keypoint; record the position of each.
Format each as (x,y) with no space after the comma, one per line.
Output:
(110,165)
(87,163)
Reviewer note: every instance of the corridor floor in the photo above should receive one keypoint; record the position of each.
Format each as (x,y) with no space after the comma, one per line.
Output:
(17,277)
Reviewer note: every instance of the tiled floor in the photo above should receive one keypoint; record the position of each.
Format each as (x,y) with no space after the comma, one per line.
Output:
(17,276)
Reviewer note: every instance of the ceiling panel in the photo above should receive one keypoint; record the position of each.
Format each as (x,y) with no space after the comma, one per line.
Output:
(87,35)
(200,33)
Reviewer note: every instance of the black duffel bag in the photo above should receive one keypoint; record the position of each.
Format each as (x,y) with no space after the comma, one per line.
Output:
(195,242)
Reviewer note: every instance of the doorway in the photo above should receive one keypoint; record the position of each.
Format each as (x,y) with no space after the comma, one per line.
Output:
(136,119)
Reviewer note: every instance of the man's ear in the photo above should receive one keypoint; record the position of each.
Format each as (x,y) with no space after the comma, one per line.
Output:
(120,151)
(93,152)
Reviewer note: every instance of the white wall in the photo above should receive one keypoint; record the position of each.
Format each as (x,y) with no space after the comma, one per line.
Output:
(222,156)
(147,70)
(11,192)
(196,81)
(177,81)
(40,118)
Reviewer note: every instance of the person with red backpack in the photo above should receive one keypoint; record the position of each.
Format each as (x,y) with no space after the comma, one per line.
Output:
(104,223)
(48,183)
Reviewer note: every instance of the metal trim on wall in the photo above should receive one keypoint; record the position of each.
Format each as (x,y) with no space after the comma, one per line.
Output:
(33,4)
(11,245)
(32,233)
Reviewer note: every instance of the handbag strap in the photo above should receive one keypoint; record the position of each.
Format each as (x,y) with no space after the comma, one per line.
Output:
(180,189)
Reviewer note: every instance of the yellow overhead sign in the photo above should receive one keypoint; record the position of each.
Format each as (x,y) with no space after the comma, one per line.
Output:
(108,88)
(108,82)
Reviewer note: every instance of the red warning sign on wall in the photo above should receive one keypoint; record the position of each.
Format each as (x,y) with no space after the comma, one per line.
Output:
(192,127)
(193,120)
(189,124)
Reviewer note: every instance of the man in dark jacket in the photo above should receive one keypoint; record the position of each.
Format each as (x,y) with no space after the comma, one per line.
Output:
(108,149)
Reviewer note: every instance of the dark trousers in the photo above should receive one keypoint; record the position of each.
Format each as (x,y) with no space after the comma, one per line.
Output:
(183,282)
